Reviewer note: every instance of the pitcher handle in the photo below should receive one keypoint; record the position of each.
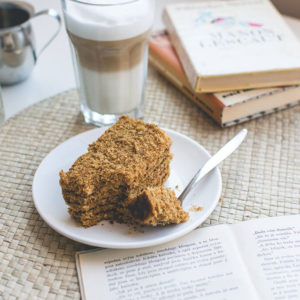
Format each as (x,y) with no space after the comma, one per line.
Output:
(51,13)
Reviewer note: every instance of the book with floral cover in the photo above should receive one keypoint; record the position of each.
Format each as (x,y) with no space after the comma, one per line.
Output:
(235,44)
(227,108)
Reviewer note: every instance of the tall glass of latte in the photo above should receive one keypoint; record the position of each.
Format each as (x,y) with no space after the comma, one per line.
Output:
(109,41)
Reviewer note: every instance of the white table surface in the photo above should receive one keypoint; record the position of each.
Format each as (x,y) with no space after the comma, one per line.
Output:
(53,72)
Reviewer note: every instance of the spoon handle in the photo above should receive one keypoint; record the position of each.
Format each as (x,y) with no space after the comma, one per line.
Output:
(223,153)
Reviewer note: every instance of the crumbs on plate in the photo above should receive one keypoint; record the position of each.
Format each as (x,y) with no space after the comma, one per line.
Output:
(196,208)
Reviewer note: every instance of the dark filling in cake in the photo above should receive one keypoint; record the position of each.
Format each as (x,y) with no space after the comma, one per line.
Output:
(141,208)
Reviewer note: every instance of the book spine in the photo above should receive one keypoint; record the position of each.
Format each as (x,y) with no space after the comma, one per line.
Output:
(181,51)
(204,101)
(163,52)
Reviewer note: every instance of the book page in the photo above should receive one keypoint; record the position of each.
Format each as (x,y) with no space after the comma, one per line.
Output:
(203,265)
(240,96)
(271,249)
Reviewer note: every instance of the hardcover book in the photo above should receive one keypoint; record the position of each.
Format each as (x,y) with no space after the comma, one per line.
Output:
(234,44)
(226,108)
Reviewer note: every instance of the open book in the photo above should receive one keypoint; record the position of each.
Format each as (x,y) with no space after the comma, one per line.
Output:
(258,259)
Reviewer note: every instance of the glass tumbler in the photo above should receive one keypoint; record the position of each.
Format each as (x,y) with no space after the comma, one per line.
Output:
(109,42)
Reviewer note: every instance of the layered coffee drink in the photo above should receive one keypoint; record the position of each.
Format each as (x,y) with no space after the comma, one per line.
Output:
(110,47)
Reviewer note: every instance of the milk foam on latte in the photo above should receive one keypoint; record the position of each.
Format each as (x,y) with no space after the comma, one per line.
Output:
(95,23)
(110,45)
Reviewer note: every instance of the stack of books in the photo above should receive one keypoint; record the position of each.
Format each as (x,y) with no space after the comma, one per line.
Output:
(236,59)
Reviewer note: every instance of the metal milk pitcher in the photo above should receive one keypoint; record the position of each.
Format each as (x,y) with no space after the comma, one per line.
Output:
(18,54)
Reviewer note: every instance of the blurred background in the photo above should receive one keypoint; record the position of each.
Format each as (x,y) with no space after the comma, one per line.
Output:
(54,71)
(288,7)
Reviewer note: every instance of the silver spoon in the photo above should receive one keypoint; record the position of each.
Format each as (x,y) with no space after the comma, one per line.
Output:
(223,153)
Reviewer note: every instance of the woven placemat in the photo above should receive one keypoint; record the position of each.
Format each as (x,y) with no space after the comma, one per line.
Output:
(261,179)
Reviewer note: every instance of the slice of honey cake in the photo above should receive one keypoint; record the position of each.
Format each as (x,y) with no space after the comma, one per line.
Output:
(157,206)
(130,156)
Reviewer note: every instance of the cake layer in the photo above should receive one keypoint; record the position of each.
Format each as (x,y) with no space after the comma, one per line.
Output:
(103,195)
(99,213)
(130,156)
(90,173)
(122,155)
(157,206)
(92,217)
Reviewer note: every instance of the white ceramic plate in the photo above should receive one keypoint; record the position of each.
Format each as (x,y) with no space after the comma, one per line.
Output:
(189,156)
